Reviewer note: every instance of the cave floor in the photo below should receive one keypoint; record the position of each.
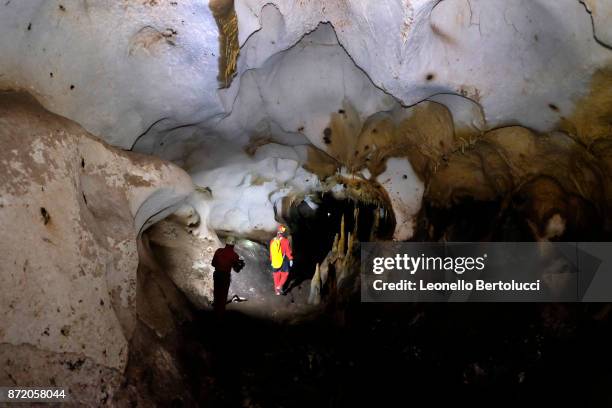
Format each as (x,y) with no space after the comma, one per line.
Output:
(186,259)
(292,307)
(277,351)
(378,355)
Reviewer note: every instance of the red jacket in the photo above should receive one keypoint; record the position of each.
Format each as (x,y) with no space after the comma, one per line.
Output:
(224,259)
(285,248)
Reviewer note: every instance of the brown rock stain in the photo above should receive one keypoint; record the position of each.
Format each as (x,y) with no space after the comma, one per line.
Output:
(549,179)
(444,37)
(340,134)
(592,116)
(135,180)
(227,21)
(18,171)
(149,38)
(320,163)
(423,135)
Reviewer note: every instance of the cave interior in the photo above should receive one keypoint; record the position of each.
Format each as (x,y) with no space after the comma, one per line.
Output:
(138,136)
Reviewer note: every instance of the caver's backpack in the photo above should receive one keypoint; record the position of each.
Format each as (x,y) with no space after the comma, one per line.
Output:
(276,253)
(238,265)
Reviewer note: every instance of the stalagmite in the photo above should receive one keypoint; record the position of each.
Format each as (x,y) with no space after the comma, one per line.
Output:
(341,265)
(334,249)
(375,224)
(342,242)
(315,287)
(349,245)
(324,269)
(356,221)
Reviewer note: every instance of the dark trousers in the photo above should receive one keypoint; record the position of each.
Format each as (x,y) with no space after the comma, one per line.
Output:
(222,282)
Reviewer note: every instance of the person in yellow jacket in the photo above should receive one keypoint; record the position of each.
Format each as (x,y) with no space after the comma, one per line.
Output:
(281,259)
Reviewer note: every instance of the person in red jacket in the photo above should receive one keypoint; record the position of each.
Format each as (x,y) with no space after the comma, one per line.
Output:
(224,260)
(281,259)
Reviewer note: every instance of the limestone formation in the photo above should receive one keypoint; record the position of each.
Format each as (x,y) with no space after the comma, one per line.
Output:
(71,210)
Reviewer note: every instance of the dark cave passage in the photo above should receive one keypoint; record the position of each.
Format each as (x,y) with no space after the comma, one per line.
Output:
(314,223)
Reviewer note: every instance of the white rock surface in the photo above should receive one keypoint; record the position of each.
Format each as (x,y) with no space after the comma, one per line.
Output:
(510,57)
(244,187)
(601,11)
(71,209)
(513,58)
(118,68)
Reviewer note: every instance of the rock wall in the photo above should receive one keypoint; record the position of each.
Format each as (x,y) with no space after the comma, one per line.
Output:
(71,209)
